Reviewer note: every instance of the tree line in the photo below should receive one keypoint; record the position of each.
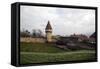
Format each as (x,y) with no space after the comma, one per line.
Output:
(34,33)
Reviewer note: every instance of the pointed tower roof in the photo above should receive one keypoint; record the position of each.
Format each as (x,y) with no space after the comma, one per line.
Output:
(48,26)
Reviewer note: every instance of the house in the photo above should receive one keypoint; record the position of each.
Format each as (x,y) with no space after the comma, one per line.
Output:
(92,38)
(80,37)
(65,40)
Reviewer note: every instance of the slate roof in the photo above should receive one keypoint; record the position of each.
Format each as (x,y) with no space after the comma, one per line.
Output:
(48,26)
(93,35)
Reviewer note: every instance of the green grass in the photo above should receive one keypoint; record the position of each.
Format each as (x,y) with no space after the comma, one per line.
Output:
(55,57)
(38,53)
(40,47)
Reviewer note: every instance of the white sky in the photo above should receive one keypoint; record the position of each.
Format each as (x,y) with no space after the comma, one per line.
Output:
(64,21)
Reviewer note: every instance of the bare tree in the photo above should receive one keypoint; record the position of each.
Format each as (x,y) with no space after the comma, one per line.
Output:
(33,33)
(37,33)
(40,33)
(25,33)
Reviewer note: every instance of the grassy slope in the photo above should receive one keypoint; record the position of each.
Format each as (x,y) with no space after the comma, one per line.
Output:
(40,47)
(37,53)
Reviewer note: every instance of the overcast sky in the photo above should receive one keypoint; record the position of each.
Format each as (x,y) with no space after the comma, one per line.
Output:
(64,21)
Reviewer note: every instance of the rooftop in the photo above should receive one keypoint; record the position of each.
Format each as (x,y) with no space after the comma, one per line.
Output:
(48,26)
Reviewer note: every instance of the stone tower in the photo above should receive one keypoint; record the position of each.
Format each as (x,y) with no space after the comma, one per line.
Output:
(48,31)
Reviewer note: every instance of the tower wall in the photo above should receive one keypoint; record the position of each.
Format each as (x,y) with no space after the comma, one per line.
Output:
(49,36)
(48,31)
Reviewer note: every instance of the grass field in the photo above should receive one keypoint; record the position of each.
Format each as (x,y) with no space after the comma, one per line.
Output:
(40,47)
(38,53)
